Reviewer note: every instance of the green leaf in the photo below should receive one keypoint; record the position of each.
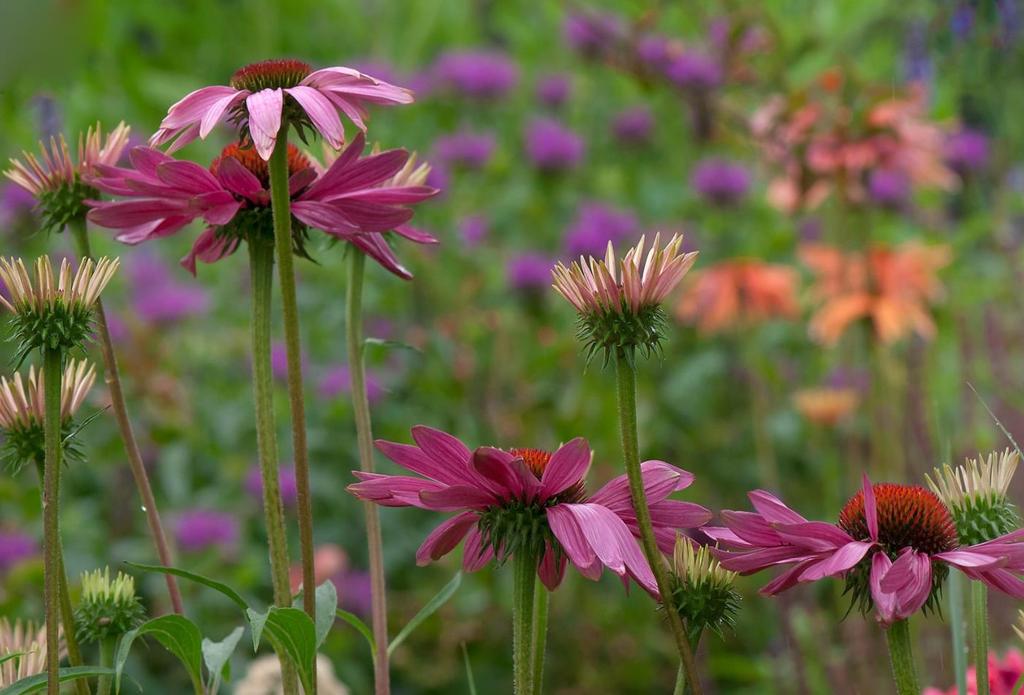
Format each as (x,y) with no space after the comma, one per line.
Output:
(469,670)
(292,634)
(217,657)
(12,655)
(176,633)
(197,578)
(363,629)
(37,683)
(326,605)
(440,598)
(390,344)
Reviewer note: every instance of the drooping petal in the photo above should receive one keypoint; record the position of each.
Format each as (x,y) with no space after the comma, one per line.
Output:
(443,539)
(817,536)
(773,509)
(264,109)
(660,480)
(321,112)
(551,569)
(966,558)
(475,555)
(870,508)
(570,536)
(885,603)
(495,466)
(208,248)
(787,579)
(751,527)
(567,467)
(236,178)
(457,497)
(418,461)
(843,559)
(392,490)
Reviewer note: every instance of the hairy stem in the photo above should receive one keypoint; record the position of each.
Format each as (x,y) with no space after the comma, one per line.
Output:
(901,656)
(979,620)
(955,588)
(53,360)
(117,404)
(541,601)
(626,378)
(364,433)
(279,197)
(524,567)
(261,266)
(107,646)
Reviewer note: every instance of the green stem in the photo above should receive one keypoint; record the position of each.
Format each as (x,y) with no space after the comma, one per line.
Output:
(124,425)
(955,585)
(626,389)
(281,203)
(52,367)
(261,266)
(901,656)
(107,646)
(680,688)
(523,583)
(541,601)
(364,435)
(979,621)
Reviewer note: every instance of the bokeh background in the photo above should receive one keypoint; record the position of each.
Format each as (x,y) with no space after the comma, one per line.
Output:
(850,171)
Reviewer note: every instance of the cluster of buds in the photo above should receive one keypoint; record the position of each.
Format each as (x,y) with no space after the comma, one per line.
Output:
(976,496)
(702,590)
(109,608)
(21,412)
(619,302)
(54,313)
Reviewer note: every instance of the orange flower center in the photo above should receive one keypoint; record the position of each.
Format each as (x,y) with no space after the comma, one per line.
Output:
(270,74)
(535,459)
(908,516)
(248,158)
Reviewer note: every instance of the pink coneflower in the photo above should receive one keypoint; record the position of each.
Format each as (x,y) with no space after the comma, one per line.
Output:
(528,500)
(893,544)
(356,199)
(262,95)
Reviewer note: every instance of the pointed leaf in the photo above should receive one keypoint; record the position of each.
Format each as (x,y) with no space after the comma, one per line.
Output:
(197,578)
(292,634)
(326,605)
(390,344)
(217,657)
(469,670)
(363,629)
(176,633)
(440,598)
(12,655)
(37,683)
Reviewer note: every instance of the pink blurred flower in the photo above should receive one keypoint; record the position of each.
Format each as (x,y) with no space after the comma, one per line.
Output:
(530,500)
(261,95)
(1002,676)
(356,199)
(893,545)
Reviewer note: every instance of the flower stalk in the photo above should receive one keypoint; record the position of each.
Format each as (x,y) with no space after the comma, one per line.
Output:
(107,647)
(626,390)
(979,620)
(541,603)
(364,434)
(524,568)
(52,374)
(261,265)
(112,376)
(901,657)
(281,206)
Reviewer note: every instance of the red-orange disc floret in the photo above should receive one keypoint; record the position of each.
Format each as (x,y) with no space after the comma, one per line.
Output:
(250,159)
(535,459)
(908,516)
(270,74)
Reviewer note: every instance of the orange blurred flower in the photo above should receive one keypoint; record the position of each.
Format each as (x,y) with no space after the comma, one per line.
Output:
(738,292)
(890,286)
(826,406)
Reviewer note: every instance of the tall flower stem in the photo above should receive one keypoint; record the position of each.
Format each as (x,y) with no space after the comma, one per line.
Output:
(626,388)
(901,656)
(53,360)
(113,378)
(279,198)
(364,434)
(524,568)
(955,592)
(979,621)
(261,267)
(107,646)
(541,601)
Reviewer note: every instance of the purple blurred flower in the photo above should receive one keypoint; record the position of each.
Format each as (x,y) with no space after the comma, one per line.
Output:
(279,361)
(529,272)
(592,34)
(199,529)
(157,297)
(967,150)
(633,126)
(551,146)
(338,380)
(439,177)
(889,187)
(554,90)
(595,225)
(477,74)
(720,181)
(916,63)
(473,229)
(49,116)
(654,51)
(380,69)
(694,71)
(15,548)
(286,476)
(465,149)
(961,22)
(354,591)
(810,231)
(16,205)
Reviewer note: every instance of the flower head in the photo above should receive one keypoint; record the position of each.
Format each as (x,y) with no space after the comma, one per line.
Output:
(57,181)
(694,71)
(967,151)
(740,293)
(15,548)
(894,545)
(976,494)
(720,181)
(29,644)
(1003,675)
(21,412)
(356,199)
(554,90)
(264,96)
(619,302)
(702,590)
(54,312)
(633,126)
(108,607)
(530,501)
(529,272)
(552,147)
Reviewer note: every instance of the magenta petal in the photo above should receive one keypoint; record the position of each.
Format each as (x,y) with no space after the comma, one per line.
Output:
(443,539)
(748,562)
(1003,580)
(194,106)
(347,176)
(321,112)
(660,480)
(418,235)
(678,514)
(567,467)
(208,248)
(265,109)
(721,534)
(570,536)
(323,216)
(838,562)
(611,541)
(236,178)
(816,536)
(301,179)
(870,509)
(376,248)
(392,490)
(418,461)
(216,110)
(457,497)
(370,217)
(145,160)
(445,449)
(495,466)
(474,555)
(885,603)
(967,558)
(187,176)
(131,213)
(551,569)
(751,527)
(785,580)
(773,509)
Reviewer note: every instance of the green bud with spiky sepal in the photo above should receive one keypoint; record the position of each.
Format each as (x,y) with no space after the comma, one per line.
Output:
(976,494)
(702,590)
(108,608)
